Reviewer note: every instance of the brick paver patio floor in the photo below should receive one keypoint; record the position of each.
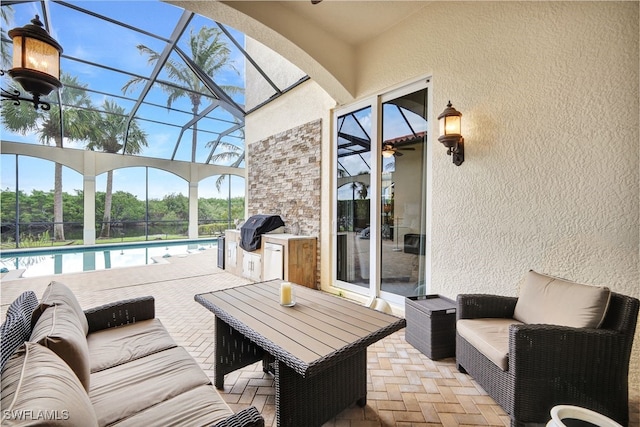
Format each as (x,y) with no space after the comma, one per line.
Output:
(405,388)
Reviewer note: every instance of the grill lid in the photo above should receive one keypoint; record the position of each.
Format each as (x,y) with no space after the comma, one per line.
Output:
(255,227)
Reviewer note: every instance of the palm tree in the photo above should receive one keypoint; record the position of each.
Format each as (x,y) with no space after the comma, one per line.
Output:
(24,119)
(108,135)
(210,53)
(229,152)
(6,15)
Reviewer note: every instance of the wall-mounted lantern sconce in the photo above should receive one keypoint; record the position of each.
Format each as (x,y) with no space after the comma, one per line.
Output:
(450,121)
(36,64)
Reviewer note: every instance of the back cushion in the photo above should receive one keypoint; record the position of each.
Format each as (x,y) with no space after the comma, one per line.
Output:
(58,329)
(39,389)
(59,294)
(550,300)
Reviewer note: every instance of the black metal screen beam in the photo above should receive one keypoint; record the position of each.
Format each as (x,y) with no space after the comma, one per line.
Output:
(164,56)
(225,133)
(249,58)
(190,123)
(238,161)
(354,140)
(227,103)
(163,82)
(293,86)
(401,111)
(202,114)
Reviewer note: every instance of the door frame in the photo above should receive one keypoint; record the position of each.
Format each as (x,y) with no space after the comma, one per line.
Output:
(375,103)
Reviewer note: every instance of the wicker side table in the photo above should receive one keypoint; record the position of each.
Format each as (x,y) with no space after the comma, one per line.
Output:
(431,325)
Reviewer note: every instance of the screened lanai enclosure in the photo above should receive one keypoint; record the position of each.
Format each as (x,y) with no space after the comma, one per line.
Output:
(150,92)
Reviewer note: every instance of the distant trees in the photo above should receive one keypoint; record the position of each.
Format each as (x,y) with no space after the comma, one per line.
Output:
(123,206)
(172,207)
(38,206)
(213,208)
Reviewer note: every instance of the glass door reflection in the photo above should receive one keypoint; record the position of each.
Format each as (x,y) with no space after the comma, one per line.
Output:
(402,198)
(353,198)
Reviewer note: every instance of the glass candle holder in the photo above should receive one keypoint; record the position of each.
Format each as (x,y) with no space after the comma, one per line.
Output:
(287,294)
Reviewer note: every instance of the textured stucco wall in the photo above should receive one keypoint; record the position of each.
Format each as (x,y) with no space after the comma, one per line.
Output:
(549,96)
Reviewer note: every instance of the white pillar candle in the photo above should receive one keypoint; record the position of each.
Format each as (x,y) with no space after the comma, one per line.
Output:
(286,293)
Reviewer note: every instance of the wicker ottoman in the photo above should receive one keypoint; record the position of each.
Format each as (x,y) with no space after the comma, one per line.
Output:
(431,325)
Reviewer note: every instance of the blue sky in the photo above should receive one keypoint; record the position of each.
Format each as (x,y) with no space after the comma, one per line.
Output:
(91,39)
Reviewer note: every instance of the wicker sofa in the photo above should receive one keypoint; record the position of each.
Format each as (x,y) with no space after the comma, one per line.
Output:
(553,357)
(111,365)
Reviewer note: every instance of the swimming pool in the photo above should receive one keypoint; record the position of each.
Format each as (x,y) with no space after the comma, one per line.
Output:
(74,259)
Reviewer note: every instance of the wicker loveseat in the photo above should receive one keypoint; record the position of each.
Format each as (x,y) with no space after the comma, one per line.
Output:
(529,367)
(111,365)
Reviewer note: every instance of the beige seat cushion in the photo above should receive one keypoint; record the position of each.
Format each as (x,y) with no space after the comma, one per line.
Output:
(59,294)
(489,336)
(118,393)
(201,405)
(550,300)
(41,387)
(114,346)
(59,329)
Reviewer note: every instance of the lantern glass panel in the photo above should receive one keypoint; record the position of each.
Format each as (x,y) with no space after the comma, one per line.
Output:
(42,57)
(452,125)
(17,52)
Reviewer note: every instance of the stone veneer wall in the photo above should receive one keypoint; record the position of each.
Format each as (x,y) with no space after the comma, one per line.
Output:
(284,179)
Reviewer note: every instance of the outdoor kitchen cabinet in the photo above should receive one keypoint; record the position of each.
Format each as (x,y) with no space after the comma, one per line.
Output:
(233,252)
(299,258)
(272,261)
(252,266)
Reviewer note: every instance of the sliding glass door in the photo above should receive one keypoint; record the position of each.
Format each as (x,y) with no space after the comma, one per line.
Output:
(402,195)
(353,207)
(381,195)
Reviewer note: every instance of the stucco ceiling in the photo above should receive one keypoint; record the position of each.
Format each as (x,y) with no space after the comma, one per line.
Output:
(354,21)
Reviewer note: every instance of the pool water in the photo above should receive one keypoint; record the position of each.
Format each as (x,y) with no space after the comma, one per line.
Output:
(73,260)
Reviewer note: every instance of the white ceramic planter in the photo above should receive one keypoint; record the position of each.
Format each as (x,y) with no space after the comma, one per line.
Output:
(566,412)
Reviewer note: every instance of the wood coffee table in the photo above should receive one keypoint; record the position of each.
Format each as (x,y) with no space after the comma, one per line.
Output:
(318,348)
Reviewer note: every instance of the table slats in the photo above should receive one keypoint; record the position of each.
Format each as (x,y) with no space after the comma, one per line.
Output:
(319,327)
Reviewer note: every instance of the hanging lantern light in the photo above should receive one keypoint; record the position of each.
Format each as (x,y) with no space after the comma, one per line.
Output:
(36,62)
